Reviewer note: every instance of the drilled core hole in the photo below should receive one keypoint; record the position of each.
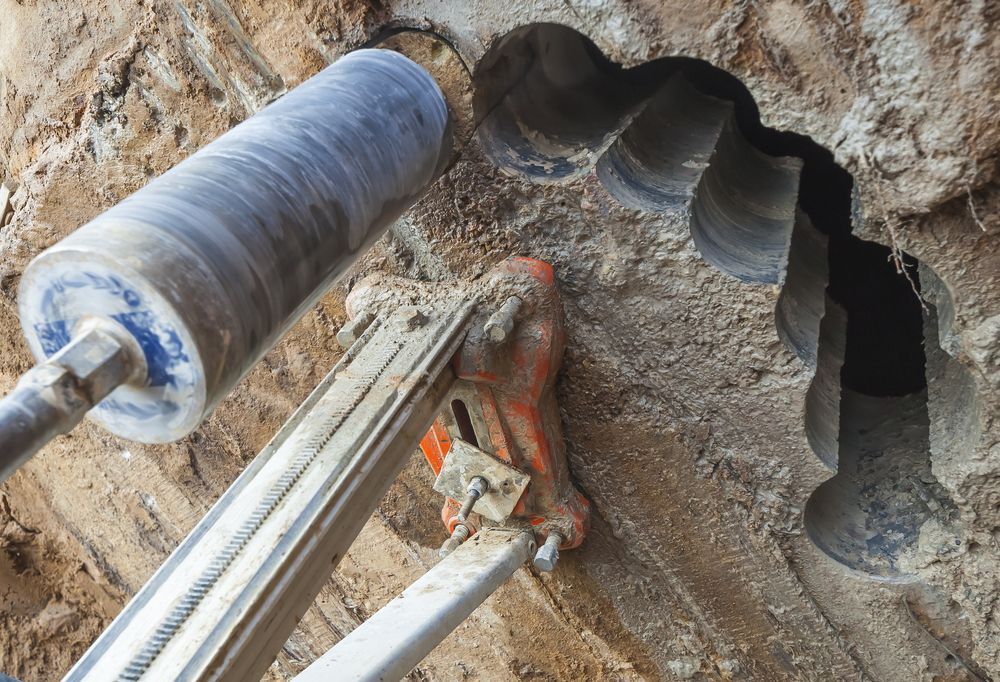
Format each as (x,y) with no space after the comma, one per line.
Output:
(549,103)
(463,420)
(686,149)
(765,206)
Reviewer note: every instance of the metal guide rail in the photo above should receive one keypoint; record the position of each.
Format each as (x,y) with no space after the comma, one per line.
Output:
(227,599)
(482,360)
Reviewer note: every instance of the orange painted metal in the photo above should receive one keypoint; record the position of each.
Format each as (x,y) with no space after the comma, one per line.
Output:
(435,445)
(515,386)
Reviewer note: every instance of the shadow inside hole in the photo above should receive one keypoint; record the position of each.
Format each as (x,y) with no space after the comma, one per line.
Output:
(463,420)
(884,354)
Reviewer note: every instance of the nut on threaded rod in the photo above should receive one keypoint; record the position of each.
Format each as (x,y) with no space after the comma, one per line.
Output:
(548,554)
(501,323)
(458,536)
(477,488)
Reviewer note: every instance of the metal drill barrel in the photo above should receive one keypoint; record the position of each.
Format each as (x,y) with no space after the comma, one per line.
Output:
(208,265)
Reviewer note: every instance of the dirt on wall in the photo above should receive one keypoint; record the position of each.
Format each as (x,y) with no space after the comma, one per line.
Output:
(686,414)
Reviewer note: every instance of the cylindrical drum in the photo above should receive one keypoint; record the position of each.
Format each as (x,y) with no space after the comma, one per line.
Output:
(209,264)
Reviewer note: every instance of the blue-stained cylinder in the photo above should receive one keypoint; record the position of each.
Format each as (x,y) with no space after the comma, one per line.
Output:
(209,264)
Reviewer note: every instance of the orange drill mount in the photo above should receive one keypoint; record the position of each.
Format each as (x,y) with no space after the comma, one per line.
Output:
(497,447)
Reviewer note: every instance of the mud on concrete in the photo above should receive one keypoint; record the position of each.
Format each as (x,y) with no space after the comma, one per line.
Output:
(682,408)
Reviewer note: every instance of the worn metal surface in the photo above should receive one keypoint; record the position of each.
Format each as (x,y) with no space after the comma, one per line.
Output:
(504,402)
(53,397)
(464,463)
(226,600)
(396,638)
(209,264)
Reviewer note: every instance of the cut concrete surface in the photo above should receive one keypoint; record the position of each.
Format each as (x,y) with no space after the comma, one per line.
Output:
(686,417)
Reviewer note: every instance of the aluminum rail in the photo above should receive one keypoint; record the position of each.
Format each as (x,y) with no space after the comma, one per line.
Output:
(225,602)
(396,638)
(207,266)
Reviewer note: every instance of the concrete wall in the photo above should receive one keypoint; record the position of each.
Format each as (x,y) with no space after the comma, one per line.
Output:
(685,411)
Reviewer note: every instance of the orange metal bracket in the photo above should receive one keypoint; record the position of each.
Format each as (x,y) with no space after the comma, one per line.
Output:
(514,384)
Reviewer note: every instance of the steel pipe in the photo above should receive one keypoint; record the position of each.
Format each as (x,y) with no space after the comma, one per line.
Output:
(225,601)
(52,398)
(208,265)
(401,634)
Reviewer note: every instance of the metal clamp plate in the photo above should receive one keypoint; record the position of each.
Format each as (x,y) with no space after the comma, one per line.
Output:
(464,462)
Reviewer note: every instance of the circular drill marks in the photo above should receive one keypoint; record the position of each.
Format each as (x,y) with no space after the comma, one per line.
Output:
(764,206)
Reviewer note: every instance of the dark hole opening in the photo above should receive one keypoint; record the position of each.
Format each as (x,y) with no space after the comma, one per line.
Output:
(884,355)
(463,420)
(849,308)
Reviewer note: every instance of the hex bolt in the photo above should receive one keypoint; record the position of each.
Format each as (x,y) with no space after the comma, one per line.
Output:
(99,361)
(458,536)
(501,323)
(548,554)
(54,396)
(477,488)
(353,329)
(410,318)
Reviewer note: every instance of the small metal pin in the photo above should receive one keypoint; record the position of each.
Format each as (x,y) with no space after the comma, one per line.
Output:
(477,488)
(548,554)
(501,323)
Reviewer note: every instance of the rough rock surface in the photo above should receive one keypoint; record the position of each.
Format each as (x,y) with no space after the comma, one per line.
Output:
(683,410)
